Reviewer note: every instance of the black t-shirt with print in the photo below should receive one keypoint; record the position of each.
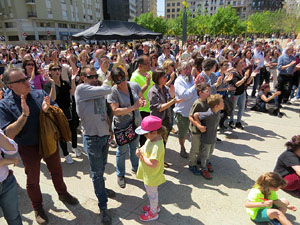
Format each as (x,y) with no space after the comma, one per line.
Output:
(285,162)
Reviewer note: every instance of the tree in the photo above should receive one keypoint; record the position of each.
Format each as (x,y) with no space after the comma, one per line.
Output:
(156,24)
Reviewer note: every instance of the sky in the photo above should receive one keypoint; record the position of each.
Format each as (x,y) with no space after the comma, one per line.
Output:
(160,7)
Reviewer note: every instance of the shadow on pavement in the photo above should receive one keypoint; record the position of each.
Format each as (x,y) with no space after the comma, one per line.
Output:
(227,172)
(238,149)
(261,132)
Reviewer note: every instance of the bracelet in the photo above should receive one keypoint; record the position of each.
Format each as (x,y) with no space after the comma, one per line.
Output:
(23,114)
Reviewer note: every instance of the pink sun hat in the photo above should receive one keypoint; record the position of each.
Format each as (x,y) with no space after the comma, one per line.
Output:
(149,123)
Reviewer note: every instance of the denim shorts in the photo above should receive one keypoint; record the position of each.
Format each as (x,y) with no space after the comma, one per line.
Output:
(262,216)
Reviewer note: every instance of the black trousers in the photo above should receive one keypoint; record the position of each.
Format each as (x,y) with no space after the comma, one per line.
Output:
(285,86)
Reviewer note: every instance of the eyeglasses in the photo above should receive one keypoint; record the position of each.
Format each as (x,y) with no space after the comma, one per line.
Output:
(64,60)
(23,80)
(93,76)
(167,48)
(120,81)
(55,69)
(30,64)
(226,65)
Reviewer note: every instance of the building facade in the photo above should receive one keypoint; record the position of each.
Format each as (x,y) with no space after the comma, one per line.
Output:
(124,10)
(243,7)
(145,6)
(47,19)
(262,5)
(292,6)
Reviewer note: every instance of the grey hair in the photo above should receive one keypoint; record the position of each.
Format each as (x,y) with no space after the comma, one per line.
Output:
(183,65)
(7,72)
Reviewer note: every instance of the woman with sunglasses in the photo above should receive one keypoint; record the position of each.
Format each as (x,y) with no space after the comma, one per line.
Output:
(31,71)
(64,90)
(154,61)
(241,78)
(123,110)
(161,98)
(225,90)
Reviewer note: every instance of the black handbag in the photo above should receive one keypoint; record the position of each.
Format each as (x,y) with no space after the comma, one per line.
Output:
(126,135)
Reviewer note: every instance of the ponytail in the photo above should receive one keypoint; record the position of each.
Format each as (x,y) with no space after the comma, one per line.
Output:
(270,179)
(163,132)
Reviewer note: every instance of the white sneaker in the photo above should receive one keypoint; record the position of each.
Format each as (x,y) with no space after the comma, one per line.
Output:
(294,100)
(77,152)
(68,159)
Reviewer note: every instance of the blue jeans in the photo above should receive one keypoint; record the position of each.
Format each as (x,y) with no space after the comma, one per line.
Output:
(9,201)
(255,84)
(97,150)
(294,89)
(121,156)
(240,101)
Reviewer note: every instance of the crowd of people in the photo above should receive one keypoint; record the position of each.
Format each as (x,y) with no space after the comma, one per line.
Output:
(130,96)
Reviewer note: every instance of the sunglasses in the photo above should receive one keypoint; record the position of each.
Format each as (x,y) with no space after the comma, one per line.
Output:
(120,81)
(23,80)
(30,64)
(94,76)
(55,69)
(226,65)
(64,60)
(167,48)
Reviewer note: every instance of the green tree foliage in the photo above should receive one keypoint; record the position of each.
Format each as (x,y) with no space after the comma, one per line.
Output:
(224,22)
(156,24)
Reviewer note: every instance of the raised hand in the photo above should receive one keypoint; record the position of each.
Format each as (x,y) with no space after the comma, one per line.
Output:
(46,104)
(148,77)
(172,91)
(24,106)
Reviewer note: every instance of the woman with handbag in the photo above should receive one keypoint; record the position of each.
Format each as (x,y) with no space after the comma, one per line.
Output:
(64,90)
(125,100)
(161,98)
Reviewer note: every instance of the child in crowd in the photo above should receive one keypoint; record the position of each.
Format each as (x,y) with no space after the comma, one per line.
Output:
(151,165)
(200,105)
(207,123)
(263,204)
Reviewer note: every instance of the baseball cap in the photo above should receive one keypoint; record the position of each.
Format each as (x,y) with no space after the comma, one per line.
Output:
(149,123)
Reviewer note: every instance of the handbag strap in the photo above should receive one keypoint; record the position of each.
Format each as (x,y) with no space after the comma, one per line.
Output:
(131,101)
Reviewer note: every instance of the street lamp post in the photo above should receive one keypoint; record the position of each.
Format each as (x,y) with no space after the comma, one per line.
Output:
(184,23)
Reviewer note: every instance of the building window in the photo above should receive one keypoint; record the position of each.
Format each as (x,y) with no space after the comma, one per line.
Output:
(178,3)
(173,4)
(173,15)
(81,26)
(168,4)
(178,9)
(13,38)
(177,15)
(168,16)
(173,10)
(9,24)
(62,25)
(168,10)
(73,26)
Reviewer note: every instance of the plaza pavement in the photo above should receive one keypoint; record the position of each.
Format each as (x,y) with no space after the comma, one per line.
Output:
(185,199)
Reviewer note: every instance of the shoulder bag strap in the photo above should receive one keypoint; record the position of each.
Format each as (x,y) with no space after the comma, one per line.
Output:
(131,101)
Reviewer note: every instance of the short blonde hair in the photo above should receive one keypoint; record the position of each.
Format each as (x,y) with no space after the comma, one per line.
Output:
(214,100)
(167,63)
(81,54)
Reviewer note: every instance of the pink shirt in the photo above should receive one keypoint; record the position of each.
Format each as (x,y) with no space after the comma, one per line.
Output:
(38,82)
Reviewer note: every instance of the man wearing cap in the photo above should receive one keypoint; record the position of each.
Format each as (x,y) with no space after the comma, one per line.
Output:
(286,66)
(91,106)
(146,48)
